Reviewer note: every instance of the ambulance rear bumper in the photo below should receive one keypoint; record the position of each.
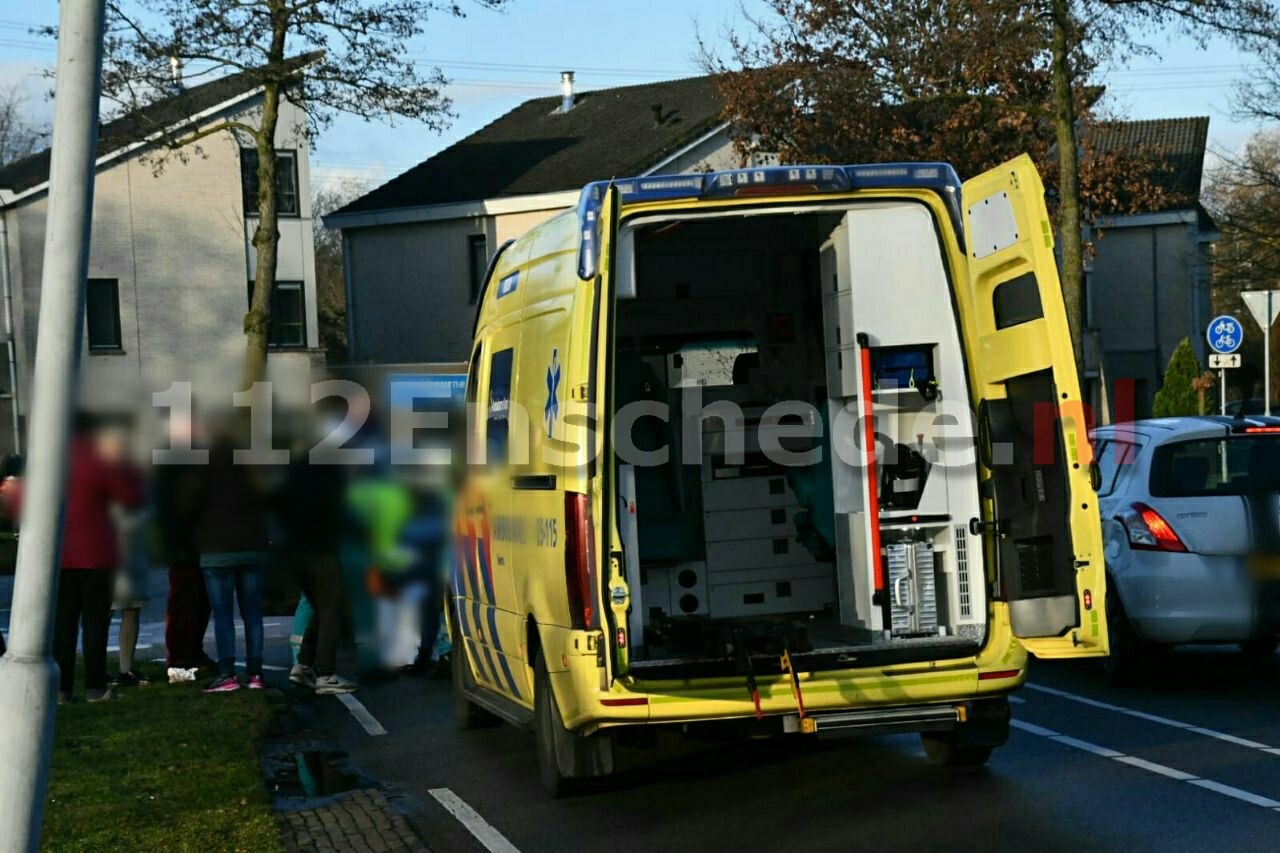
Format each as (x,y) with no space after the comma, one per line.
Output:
(877,721)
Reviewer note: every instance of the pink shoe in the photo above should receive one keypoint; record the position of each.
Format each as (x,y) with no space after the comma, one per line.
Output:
(225,684)
(256,683)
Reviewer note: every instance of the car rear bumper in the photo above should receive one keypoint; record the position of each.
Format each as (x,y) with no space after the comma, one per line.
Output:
(1188,598)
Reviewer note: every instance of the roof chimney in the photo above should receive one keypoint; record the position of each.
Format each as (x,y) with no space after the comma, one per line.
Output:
(566,91)
(175,72)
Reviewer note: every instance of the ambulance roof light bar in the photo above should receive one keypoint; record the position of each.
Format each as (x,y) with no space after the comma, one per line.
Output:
(939,177)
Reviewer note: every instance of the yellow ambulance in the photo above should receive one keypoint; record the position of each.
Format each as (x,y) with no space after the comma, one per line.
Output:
(800,447)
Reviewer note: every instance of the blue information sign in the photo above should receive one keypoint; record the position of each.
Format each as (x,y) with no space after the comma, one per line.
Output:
(1225,334)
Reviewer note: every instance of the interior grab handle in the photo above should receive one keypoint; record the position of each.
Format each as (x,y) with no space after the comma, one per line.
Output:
(897,591)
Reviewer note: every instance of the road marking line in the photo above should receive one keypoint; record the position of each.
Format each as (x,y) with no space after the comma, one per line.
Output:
(1033,729)
(1017,700)
(1227,790)
(1152,767)
(1238,741)
(1149,766)
(1163,721)
(362,715)
(484,832)
(1088,747)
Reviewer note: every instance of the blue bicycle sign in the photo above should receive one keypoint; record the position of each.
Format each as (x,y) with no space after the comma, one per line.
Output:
(1225,334)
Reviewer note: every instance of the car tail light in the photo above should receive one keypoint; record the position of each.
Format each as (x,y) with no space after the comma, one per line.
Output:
(1262,430)
(1148,531)
(580,561)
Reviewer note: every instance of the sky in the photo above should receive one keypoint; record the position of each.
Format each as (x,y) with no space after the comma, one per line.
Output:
(496,60)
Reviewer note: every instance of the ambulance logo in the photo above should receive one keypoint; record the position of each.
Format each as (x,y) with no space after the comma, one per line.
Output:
(551,410)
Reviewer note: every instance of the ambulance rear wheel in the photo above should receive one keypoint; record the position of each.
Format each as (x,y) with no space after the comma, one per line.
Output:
(468,714)
(565,758)
(945,751)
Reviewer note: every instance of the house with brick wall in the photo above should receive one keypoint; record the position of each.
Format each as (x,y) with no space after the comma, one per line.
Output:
(170,259)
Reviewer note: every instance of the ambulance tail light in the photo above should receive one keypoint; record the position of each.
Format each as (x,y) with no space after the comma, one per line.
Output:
(580,561)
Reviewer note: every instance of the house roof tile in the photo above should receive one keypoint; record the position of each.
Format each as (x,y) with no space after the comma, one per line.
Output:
(1178,142)
(537,149)
(135,126)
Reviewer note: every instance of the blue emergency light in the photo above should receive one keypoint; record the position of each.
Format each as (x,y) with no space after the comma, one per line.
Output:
(770,180)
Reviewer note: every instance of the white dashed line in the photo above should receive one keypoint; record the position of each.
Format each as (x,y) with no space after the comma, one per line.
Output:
(1227,790)
(1149,766)
(1017,700)
(484,832)
(362,715)
(1162,721)
(1152,767)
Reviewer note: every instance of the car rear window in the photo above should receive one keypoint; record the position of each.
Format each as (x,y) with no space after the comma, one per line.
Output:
(1233,465)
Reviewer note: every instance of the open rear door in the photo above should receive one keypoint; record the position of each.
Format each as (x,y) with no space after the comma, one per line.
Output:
(1032,423)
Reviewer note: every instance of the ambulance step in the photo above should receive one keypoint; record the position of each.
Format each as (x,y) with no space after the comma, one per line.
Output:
(878,720)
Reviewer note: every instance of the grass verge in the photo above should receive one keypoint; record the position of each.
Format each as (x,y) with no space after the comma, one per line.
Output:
(162,767)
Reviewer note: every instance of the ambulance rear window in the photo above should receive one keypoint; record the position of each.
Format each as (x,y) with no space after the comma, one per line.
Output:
(714,364)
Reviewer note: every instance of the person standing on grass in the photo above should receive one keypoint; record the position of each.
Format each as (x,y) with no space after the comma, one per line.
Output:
(228,513)
(312,511)
(133,575)
(187,609)
(90,554)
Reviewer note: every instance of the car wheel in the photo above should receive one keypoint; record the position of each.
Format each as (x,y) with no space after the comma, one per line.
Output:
(468,714)
(565,758)
(945,751)
(1128,655)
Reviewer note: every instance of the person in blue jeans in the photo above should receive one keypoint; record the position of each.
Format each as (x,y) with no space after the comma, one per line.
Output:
(228,512)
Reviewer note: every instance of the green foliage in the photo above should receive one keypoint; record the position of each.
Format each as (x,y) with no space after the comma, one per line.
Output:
(162,767)
(1176,397)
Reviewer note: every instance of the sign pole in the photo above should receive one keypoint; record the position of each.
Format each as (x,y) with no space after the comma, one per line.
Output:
(28,675)
(1264,305)
(1222,389)
(1266,356)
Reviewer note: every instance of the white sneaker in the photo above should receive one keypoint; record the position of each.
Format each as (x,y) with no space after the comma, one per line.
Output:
(330,684)
(304,676)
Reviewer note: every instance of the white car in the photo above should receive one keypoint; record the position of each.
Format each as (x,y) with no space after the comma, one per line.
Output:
(1191,527)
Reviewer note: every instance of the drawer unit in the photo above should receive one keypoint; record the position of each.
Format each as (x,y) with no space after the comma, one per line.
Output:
(734,524)
(739,493)
(723,577)
(756,553)
(770,597)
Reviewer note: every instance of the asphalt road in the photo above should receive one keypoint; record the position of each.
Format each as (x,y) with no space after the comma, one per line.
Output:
(1190,760)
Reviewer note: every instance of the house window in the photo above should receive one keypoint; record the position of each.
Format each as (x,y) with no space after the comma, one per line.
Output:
(478,253)
(287,202)
(102,313)
(287,328)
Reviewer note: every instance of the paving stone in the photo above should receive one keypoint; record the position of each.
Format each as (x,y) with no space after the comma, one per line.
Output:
(362,821)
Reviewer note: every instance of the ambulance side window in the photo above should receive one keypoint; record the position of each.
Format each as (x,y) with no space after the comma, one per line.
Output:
(497,419)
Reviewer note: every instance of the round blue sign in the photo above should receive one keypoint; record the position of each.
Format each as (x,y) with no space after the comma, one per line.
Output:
(1225,334)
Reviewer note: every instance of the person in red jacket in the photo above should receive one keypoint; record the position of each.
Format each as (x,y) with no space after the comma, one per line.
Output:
(89,557)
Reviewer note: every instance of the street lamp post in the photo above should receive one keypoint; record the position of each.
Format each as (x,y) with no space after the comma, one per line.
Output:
(28,676)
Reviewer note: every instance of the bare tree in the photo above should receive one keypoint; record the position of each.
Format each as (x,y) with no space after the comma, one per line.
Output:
(331,295)
(326,56)
(968,81)
(20,136)
(1243,194)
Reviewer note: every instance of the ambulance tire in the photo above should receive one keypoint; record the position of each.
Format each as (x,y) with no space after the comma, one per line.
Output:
(468,714)
(945,751)
(565,758)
